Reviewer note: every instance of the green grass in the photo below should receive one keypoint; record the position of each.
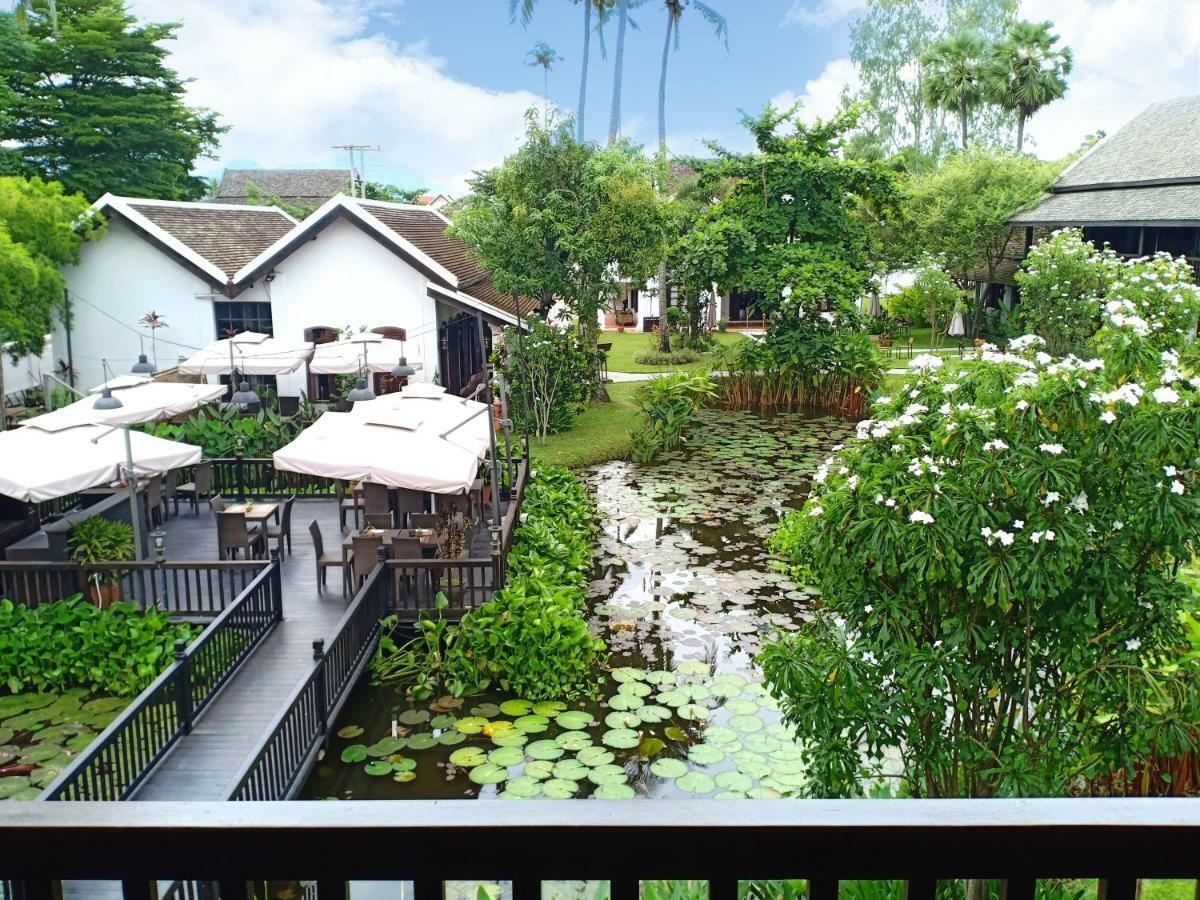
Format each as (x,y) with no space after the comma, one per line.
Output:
(600,434)
(628,344)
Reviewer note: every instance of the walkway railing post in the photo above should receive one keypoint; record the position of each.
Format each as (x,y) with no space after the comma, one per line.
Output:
(318,647)
(276,585)
(184,684)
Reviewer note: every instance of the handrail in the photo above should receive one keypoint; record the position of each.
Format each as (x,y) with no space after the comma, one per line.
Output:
(823,841)
(116,763)
(276,770)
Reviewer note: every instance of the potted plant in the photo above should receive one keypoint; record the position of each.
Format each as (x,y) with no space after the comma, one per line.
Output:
(101,540)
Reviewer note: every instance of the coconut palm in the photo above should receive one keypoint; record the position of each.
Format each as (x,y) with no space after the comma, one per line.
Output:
(545,56)
(1028,72)
(614,118)
(955,73)
(523,9)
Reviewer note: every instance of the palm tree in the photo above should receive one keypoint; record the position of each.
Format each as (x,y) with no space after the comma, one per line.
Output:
(1028,72)
(955,76)
(23,8)
(614,119)
(675,10)
(545,56)
(524,10)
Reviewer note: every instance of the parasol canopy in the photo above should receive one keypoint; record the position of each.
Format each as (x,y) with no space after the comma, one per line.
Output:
(250,353)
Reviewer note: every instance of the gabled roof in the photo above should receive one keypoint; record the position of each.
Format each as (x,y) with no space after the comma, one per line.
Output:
(297,185)
(213,239)
(1147,173)
(425,227)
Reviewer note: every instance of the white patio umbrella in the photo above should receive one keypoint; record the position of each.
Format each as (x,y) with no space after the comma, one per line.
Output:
(461,422)
(376,353)
(47,460)
(391,453)
(249,353)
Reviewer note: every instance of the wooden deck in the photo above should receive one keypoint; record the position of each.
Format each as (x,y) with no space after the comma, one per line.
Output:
(201,764)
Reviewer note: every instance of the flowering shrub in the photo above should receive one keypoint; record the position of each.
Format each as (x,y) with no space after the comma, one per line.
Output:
(1063,281)
(551,373)
(931,298)
(997,552)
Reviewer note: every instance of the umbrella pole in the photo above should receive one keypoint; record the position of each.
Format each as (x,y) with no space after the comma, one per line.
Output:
(135,512)
(487,381)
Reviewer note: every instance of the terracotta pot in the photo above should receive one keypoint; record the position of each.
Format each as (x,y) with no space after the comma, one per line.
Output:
(105,594)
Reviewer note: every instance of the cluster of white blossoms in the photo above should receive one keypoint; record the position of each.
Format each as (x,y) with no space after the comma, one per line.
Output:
(926,362)
(1123,314)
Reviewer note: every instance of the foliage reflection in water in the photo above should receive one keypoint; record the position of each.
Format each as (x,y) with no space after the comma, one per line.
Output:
(684,591)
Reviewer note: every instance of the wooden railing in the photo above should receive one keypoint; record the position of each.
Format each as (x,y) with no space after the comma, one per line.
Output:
(191,588)
(56,508)
(258,477)
(466,584)
(119,759)
(277,770)
(919,841)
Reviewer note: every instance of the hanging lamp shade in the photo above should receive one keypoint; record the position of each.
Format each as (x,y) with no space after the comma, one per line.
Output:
(106,400)
(403,369)
(143,366)
(360,392)
(244,397)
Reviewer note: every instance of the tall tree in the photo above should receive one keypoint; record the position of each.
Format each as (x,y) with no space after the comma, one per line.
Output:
(545,56)
(41,230)
(95,106)
(954,77)
(614,118)
(675,10)
(1027,72)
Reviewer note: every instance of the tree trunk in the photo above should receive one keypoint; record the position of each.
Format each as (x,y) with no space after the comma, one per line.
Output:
(587,43)
(664,293)
(664,304)
(963,116)
(614,122)
(3,417)
(1020,131)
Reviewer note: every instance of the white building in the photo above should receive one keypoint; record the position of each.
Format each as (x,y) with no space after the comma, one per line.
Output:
(635,305)
(209,269)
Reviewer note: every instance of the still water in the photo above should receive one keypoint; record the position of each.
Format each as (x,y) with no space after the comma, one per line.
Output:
(684,592)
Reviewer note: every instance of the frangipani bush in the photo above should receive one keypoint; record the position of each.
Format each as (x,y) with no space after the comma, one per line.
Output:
(997,552)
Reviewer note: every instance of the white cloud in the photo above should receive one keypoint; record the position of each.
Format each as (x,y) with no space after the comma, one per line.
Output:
(822,95)
(821,14)
(1128,54)
(293,77)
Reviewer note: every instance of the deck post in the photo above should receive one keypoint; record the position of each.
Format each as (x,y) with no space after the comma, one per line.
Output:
(318,647)
(276,585)
(184,682)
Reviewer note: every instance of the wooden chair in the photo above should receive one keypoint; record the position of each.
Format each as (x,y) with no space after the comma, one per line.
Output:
(235,534)
(379,520)
(604,349)
(155,509)
(423,520)
(170,491)
(403,548)
(283,531)
(217,503)
(324,560)
(199,486)
(409,502)
(366,554)
(459,504)
(346,504)
(375,499)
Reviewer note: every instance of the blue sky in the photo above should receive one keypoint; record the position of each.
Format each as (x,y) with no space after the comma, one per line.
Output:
(442,85)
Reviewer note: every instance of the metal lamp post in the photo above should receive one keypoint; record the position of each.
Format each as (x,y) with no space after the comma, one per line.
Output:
(105,402)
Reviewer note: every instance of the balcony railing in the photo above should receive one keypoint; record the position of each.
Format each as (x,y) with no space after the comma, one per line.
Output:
(429,842)
(115,764)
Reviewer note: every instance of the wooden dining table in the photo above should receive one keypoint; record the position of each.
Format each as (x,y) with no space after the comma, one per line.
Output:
(427,537)
(256,512)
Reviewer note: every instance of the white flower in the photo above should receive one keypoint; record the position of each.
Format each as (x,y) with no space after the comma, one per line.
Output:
(1166,394)
(1128,393)
(1177,487)
(1051,497)
(996,444)
(1117,526)
(920,516)
(1108,416)
(1049,535)
(787,198)
(1005,538)
(815,511)
(1022,404)
(1169,471)
(1080,502)
(889,502)
(925,362)
(1044,359)
(868,609)
(1133,644)
(1052,449)
(950,387)
(1018,524)
(1025,341)
(985,531)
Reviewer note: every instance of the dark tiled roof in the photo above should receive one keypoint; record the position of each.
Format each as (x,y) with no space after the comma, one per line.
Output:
(293,185)
(1160,144)
(425,229)
(226,237)
(1169,205)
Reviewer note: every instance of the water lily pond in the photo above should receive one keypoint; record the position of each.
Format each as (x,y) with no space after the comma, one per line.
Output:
(684,592)
(41,733)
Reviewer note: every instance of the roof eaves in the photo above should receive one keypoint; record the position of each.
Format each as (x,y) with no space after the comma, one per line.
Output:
(475,303)
(122,206)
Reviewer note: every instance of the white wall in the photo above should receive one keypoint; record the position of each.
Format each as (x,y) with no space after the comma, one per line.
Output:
(346,278)
(118,280)
(27,371)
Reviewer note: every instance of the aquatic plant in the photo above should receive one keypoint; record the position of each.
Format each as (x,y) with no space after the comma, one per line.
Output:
(667,404)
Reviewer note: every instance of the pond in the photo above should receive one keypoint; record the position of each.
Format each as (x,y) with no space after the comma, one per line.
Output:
(40,733)
(684,592)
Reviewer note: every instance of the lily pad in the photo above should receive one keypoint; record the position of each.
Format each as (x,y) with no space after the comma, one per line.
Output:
(762,793)
(485,711)
(403,765)
(575,720)
(516,707)
(471,724)
(573,741)
(532,724)
(607,774)
(652,714)
(595,756)
(404,777)
(675,733)
(621,738)
(355,753)
(706,754)
(414,717)
(650,747)
(12,785)
(694,712)
(693,667)
(622,720)
(422,740)
(570,769)
(450,738)
(445,720)
(746,723)
(634,689)
(661,677)
(378,767)
(348,732)
(544,750)
(734,781)
(695,783)
(548,708)
(559,788)
(523,788)
(628,674)
(506,756)
(724,737)
(626,702)
(513,738)
(539,769)
(668,768)
(468,757)
(488,773)
(614,791)
(386,746)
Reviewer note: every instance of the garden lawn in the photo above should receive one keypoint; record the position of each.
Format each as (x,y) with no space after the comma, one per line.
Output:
(600,434)
(628,344)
